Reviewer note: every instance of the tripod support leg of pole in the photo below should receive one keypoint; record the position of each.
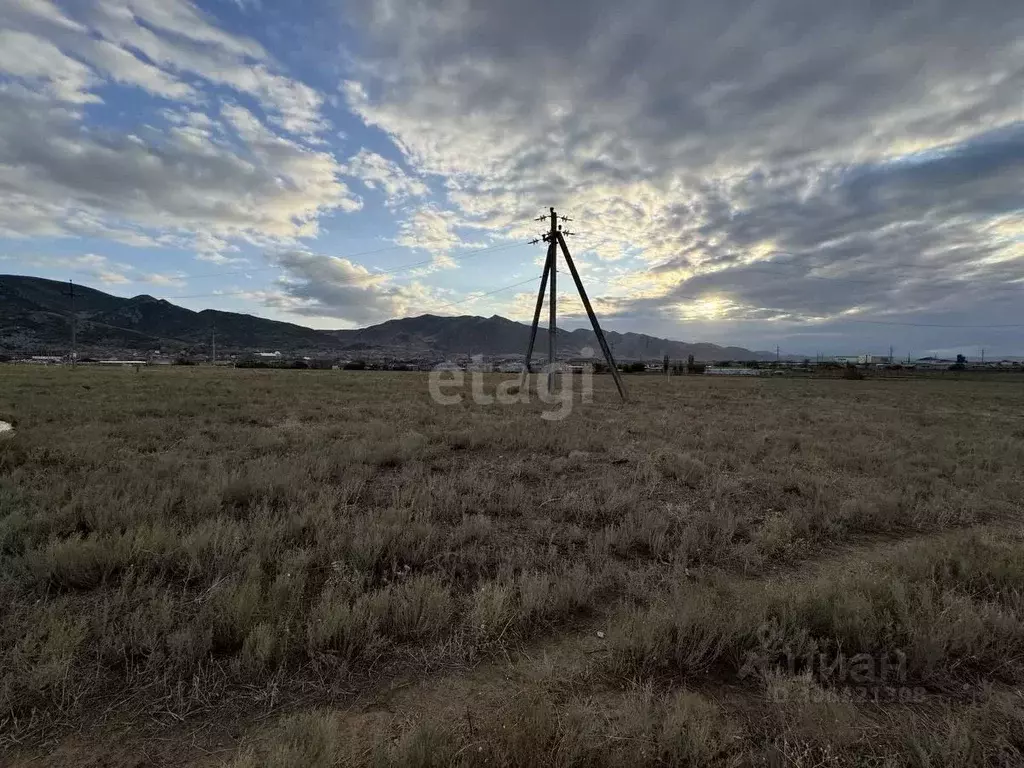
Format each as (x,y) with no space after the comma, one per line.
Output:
(593,319)
(536,316)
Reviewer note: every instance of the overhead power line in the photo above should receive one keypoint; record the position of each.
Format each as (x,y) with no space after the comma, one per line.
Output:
(244,270)
(775,265)
(476,296)
(932,325)
(951,282)
(769,265)
(362,278)
(695,297)
(348,256)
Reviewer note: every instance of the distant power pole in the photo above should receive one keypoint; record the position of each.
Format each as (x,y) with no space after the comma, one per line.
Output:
(982,355)
(555,239)
(666,366)
(213,344)
(74,324)
(776,354)
(890,354)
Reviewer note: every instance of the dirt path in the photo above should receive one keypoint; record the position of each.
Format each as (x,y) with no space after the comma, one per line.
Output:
(464,697)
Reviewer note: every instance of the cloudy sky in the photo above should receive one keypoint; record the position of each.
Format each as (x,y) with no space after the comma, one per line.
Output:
(828,177)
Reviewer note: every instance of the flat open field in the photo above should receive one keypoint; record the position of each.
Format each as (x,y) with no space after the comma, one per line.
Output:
(305,568)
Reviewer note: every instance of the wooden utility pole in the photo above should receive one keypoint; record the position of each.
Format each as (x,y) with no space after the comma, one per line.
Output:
(552,306)
(536,313)
(555,239)
(74,324)
(213,344)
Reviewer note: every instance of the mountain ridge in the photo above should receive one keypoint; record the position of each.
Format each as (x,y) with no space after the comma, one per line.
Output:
(35,319)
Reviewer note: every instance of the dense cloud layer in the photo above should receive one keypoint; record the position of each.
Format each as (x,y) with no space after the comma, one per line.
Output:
(319,286)
(744,170)
(749,149)
(199,172)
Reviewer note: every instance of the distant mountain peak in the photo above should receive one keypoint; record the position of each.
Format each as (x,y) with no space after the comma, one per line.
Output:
(34,320)
(145,298)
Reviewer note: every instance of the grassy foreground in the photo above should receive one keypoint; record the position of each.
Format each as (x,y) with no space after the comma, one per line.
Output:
(298,568)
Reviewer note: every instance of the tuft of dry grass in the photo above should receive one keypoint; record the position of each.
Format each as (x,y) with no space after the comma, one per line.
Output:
(306,740)
(637,727)
(944,613)
(209,543)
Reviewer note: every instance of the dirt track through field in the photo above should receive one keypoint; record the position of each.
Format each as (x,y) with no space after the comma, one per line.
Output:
(190,583)
(468,700)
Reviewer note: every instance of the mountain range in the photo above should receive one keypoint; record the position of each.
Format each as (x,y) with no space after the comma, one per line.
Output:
(35,319)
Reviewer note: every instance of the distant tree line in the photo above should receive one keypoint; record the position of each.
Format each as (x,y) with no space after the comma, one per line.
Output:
(318,364)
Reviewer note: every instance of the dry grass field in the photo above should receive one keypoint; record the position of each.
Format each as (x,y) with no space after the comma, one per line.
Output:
(306,568)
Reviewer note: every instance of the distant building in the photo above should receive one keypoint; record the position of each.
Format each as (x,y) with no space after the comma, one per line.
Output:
(712,370)
(268,354)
